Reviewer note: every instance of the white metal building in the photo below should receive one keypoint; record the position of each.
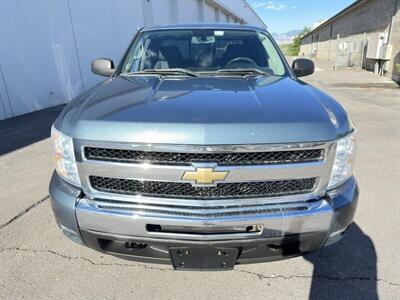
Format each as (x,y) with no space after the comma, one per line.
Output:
(46,46)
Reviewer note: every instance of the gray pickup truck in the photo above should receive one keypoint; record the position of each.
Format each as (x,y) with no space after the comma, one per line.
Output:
(202,149)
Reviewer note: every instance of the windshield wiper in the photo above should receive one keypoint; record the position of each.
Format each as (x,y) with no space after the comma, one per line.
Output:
(174,71)
(245,71)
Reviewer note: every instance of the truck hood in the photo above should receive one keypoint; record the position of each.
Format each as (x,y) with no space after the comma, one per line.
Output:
(204,110)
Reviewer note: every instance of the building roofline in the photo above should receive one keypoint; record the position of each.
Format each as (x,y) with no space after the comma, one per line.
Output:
(254,12)
(344,11)
(228,10)
(222,7)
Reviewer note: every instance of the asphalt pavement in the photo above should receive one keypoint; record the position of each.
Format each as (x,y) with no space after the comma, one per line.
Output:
(37,261)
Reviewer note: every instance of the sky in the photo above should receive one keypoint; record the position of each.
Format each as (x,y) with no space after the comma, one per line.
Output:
(285,15)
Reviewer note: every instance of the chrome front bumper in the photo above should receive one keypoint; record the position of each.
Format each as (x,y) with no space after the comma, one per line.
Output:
(315,216)
(313,223)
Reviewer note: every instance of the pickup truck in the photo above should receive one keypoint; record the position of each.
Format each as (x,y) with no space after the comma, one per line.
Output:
(202,149)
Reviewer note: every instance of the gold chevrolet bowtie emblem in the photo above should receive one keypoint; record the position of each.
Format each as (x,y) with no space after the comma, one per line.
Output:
(204,175)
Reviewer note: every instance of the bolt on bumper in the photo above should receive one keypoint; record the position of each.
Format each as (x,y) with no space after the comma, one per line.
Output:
(323,223)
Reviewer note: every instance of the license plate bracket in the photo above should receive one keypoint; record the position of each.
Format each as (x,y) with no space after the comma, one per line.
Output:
(203,258)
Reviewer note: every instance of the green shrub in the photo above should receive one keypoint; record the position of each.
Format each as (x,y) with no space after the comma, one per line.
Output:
(294,47)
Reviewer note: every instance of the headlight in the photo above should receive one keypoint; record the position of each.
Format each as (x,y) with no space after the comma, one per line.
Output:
(344,160)
(64,157)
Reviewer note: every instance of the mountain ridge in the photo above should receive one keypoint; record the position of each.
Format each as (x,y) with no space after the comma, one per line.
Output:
(285,37)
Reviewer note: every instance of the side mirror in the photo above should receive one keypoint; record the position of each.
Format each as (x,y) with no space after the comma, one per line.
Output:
(303,67)
(103,67)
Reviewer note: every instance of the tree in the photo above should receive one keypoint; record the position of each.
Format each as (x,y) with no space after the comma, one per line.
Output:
(294,47)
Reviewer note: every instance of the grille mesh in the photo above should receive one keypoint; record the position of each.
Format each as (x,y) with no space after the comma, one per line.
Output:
(187,191)
(223,159)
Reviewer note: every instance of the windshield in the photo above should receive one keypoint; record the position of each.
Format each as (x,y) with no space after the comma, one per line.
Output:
(203,50)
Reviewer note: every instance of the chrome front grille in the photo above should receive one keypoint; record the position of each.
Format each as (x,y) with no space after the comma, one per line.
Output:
(222,159)
(187,191)
(146,179)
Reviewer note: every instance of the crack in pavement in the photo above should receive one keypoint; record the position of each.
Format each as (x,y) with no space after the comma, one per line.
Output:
(26,210)
(326,277)
(151,267)
(81,258)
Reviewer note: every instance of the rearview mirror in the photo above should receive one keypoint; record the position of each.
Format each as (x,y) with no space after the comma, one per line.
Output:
(103,67)
(303,67)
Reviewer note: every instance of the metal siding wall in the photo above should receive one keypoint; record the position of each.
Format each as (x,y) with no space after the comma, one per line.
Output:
(94,35)
(128,25)
(200,8)
(394,66)
(217,15)
(2,111)
(188,11)
(165,12)
(104,28)
(38,60)
(242,9)
(5,109)
(209,14)
(147,12)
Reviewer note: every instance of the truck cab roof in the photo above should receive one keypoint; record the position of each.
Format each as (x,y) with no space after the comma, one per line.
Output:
(230,26)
